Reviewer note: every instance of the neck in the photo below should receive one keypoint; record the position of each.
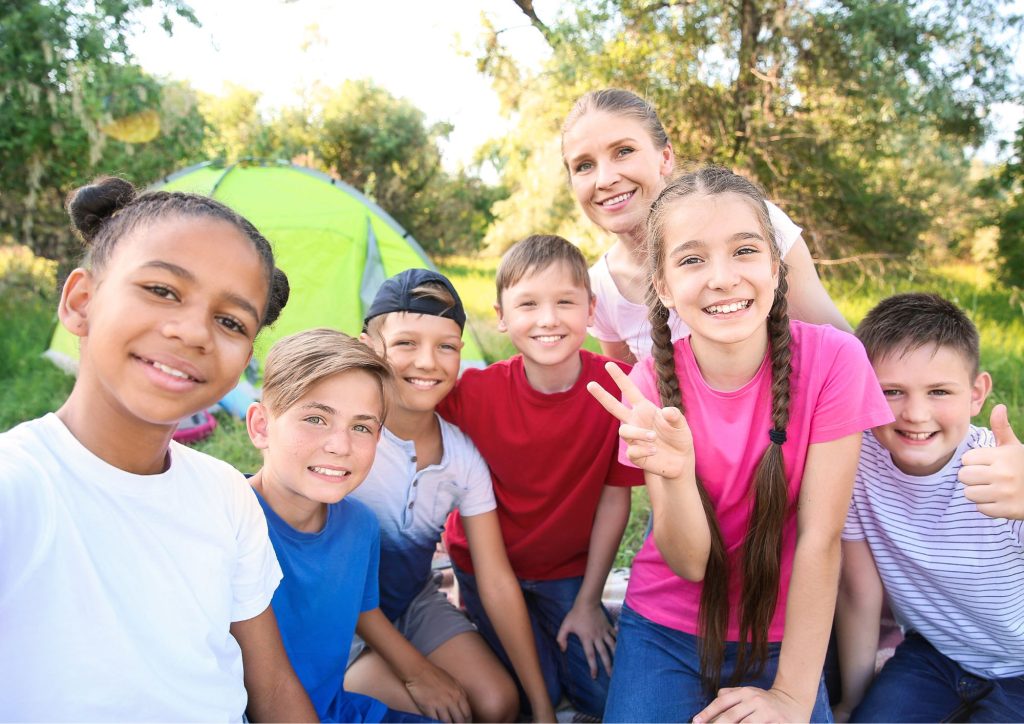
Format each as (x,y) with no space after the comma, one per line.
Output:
(300,513)
(727,367)
(410,424)
(633,243)
(120,439)
(550,379)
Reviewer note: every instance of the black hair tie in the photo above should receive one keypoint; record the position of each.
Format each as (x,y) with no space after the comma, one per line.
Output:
(777,436)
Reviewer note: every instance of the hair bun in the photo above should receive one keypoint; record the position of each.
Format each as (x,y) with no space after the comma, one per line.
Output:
(279,293)
(91,205)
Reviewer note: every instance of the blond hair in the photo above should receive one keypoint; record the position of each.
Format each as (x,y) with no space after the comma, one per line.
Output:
(298,362)
(536,253)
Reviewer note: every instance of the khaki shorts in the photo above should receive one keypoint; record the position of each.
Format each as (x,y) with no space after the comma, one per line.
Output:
(429,621)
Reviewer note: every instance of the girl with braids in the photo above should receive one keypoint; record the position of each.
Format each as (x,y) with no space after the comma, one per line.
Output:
(137,574)
(748,432)
(619,158)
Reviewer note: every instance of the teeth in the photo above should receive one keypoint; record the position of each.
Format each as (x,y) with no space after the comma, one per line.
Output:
(549,338)
(616,199)
(916,435)
(421,383)
(171,371)
(726,308)
(329,471)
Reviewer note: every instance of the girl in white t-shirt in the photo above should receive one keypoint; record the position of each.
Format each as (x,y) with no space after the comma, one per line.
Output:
(619,158)
(137,574)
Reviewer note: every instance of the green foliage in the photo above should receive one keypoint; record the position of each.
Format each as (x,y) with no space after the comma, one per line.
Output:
(853,115)
(66,77)
(1011,221)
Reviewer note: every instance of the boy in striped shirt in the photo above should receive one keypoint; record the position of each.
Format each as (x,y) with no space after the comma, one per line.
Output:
(936,519)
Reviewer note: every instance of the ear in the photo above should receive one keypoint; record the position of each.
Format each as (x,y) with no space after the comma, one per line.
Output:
(661,289)
(979,391)
(75,297)
(591,309)
(371,342)
(257,424)
(667,162)
(502,327)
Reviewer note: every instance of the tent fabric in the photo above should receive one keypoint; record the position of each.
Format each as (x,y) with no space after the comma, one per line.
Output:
(335,245)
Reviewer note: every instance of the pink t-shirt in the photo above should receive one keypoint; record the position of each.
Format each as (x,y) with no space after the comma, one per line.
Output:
(834,394)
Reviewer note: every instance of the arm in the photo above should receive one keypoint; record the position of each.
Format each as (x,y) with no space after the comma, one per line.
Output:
(586,618)
(808,300)
(617,349)
(503,601)
(275,692)
(858,618)
(433,690)
(821,510)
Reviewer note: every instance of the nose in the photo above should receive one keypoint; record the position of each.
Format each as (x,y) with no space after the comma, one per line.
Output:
(915,409)
(338,443)
(424,357)
(192,326)
(606,174)
(548,315)
(722,273)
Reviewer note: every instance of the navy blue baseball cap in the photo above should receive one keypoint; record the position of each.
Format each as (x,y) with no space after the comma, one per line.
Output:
(395,295)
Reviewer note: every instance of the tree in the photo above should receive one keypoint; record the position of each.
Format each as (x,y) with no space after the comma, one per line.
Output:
(1011,218)
(854,114)
(70,91)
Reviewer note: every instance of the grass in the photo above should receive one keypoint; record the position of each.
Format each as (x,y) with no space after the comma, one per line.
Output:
(32,386)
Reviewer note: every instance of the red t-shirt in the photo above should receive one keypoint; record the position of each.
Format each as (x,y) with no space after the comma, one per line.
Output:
(550,457)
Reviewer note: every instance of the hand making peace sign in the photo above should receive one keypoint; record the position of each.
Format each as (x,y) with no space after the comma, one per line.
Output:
(658,439)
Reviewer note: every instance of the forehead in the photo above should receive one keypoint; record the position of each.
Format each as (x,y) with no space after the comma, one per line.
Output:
(556,277)
(924,365)
(709,217)
(352,391)
(421,325)
(596,129)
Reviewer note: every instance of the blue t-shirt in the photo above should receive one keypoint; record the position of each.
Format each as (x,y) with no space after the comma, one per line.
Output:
(330,577)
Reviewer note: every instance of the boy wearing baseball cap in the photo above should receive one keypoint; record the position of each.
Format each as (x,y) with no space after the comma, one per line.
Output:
(424,469)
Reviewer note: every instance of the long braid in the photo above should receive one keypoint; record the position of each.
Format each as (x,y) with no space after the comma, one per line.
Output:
(713,614)
(762,546)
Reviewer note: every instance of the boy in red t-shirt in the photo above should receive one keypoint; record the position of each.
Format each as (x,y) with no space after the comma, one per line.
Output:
(563,498)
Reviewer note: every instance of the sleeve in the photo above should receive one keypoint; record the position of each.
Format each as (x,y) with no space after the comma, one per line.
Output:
(603,327)
(786,232)
(450,407)
(479,493)
(850,399)
(371,587)
(27,517)
(257,571)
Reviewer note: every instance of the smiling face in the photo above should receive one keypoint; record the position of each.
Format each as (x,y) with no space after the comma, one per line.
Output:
(165,331)
(615,169)
(424,353)
(546,314)
(321,448)
(933,398)
(718,271)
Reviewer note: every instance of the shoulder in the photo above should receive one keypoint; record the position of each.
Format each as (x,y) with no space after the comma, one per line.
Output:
(457,442)
(477,378)
(357,513)
(594,365)
(824,342)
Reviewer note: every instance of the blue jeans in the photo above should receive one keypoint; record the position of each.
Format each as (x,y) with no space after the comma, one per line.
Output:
(657,674)
(920,684)
(547,603)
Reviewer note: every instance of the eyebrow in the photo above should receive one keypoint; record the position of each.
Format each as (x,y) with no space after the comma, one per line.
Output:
(740,236)
(331,411)
(183,273)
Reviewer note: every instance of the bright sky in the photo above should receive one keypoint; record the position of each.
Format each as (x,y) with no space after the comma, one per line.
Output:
(414,48)
(418,49)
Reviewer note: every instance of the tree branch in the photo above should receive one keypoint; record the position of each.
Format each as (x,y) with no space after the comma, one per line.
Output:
(527,7)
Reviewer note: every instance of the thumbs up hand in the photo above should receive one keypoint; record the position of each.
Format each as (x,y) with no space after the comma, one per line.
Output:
(994,476)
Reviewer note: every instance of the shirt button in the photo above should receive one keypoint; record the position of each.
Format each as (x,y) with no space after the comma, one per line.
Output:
(415,483)
(413,458)
(410,506)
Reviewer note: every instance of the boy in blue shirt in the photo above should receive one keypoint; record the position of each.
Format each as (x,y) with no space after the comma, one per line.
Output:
(318,425)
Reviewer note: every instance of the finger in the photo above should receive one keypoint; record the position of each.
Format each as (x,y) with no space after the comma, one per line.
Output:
(630,392)
(999,422)
(464,710)
(995,510)
(606,657)
(671,424)
(978,456)
(588,649)
(609,401)
(722,703)
(975,474)
(563,638)
(629,433)
(980,494)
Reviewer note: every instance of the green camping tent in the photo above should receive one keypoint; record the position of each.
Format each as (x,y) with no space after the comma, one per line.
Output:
(335,245)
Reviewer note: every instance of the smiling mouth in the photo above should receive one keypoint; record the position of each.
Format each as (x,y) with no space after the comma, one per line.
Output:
(167,370)
(330,472)
(727,308)
(616,199)
(916,436)
(422,384)
(549,338)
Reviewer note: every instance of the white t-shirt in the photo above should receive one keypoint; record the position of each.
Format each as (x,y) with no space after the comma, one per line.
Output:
(618,319)
(953,574)
(117,590)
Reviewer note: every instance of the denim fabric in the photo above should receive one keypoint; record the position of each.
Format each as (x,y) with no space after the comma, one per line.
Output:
(547,602)
(657,674)
(920,684)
